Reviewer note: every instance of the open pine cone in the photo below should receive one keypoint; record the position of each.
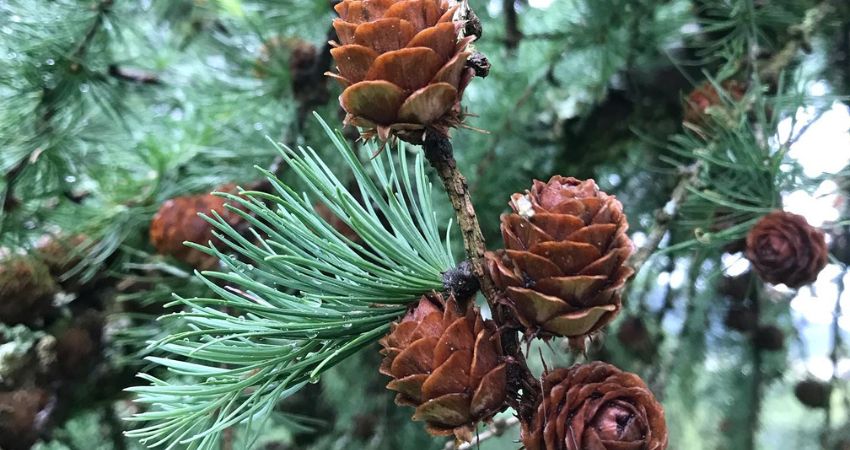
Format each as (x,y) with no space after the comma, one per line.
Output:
(784,248)
(565,259)
(596,406)
(447,364)
(402,66)
(177,221)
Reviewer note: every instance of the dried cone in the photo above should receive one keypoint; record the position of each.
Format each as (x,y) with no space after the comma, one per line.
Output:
(740,318)
(23,416)
(706,96)
(62,254)
(402,66)
(178,221)
(447,364)
(26,290)
(813,393)
(565,259)
(785,249)
(769,338)
(635,337)
(595,406)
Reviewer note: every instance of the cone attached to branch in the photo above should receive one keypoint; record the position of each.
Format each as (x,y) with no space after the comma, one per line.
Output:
(402,66)
(564,262)
(447,364)
(813,393)
(769,338)
(595,406)
(706,96)
(785,249)
(177,221)
(26,290)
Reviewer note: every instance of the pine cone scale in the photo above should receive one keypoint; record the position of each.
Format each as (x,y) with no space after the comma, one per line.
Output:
(784,248)
(564,260)
(413,46)
(458,377)
(595,406)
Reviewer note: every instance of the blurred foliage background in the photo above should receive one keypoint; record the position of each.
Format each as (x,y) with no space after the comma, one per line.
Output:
(110,108)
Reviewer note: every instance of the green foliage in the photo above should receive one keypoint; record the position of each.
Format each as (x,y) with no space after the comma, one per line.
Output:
(299,297)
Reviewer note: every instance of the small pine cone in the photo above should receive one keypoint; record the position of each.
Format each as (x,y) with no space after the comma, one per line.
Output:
(447,364)
(635,337)
(784,248)
(178,221)
(62,254)
(769,338)
(737,288)
(595,406)
(565,259)
(26,290)
(402,66)
(813,393)
(294,56)
(23,417)
(706,96)
(740,318)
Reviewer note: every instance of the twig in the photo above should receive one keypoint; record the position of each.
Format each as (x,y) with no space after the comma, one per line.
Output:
(834,354)
(756,390)
(512,32)
(497,428)
(800,40)
(523,387)
(664,217)
(440,154)
(133,75)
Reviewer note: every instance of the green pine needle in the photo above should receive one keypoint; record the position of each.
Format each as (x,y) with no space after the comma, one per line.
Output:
(299,298)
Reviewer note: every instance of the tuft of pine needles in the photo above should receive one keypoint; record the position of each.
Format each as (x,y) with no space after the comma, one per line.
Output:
(296,297)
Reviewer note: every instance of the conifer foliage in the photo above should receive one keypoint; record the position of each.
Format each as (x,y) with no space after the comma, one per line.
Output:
(435,224)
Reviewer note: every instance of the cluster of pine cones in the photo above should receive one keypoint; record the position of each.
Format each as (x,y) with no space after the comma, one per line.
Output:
(403,68)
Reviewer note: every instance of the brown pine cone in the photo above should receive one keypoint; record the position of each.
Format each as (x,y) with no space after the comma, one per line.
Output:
(402,66)
(23,414)
(769,338)
(635,337)
(706,96)
(447,364)
(813,393)
(595,406)
(565,259)
(26,290)
(177,221)
(784,248)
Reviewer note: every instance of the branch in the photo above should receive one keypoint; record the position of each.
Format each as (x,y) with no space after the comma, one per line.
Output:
(523,387)
(801,35)
(440,154)
(664,216)
(497,428)
(133,75)
(837,343)
(512,32)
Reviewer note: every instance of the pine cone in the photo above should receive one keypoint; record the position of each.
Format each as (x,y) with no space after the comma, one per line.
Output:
(62,254)
(26,290)
(740,318)
(813,393)
(706,96)
(595,406)
(402,66)
(635,337)
(784,248)
(565,259)
(23,414)
(446,364)
(769,338)
(177,221)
